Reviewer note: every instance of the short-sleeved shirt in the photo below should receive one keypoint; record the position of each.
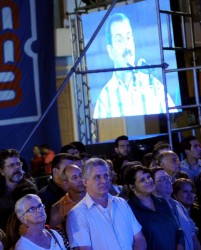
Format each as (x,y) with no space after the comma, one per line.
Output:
(59,210)
(113,227)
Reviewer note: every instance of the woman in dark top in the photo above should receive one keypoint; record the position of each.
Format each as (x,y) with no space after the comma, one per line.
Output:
(183,191)
(153,213)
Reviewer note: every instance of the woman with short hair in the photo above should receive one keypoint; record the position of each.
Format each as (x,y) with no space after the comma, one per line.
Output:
(153,213)
(31,212)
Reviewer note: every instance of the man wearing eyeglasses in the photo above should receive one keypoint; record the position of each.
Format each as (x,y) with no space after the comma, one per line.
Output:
(12,183)
(100,220)
(163,188)
(56,189)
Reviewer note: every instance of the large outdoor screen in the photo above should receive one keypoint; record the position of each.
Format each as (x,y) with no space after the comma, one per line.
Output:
(129,38)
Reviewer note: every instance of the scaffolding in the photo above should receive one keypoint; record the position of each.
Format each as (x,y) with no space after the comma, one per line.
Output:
(186,49)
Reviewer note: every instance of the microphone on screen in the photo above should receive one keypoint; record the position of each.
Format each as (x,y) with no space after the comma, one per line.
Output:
(143,63)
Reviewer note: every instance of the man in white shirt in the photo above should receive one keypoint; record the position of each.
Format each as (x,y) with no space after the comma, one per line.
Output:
(102,221)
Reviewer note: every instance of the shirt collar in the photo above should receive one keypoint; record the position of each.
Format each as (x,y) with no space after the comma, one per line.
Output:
(189,165)
(118,83)
(90,202)
(67,200)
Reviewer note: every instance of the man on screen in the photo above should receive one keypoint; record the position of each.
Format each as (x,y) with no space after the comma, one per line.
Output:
(128,92)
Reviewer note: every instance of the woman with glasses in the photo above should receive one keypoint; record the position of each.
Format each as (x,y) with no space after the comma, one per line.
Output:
(158,225)
(163,188)
(31,212)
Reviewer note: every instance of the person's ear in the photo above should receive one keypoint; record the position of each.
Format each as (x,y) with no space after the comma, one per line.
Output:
(55,171)
(23,220)
(175,196)
(116,150)
(132,187)
(161,165)
(2,171)
(84,182)
(109,50)
(66,184)
(186,151)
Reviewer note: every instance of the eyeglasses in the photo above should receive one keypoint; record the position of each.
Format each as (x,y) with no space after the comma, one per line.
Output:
(12,165)
(33,209)
(164,178)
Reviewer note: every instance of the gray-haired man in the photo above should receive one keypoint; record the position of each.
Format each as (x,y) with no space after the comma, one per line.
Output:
(102,221)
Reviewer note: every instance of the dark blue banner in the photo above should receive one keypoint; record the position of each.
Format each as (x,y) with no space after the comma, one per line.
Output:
(27,74)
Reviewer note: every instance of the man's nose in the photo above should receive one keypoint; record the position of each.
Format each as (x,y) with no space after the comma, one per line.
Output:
(80,179)
(103,179)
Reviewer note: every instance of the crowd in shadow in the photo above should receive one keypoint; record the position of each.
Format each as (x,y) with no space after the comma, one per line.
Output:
(88,202)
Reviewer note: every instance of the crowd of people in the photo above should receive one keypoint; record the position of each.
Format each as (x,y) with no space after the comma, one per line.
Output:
(95,203)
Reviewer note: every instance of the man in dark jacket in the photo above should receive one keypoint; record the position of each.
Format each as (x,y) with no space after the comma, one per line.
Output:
(11,179)
(56,188)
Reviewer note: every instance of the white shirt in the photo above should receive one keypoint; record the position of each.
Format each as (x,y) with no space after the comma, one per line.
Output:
(25,244)
(113,227)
